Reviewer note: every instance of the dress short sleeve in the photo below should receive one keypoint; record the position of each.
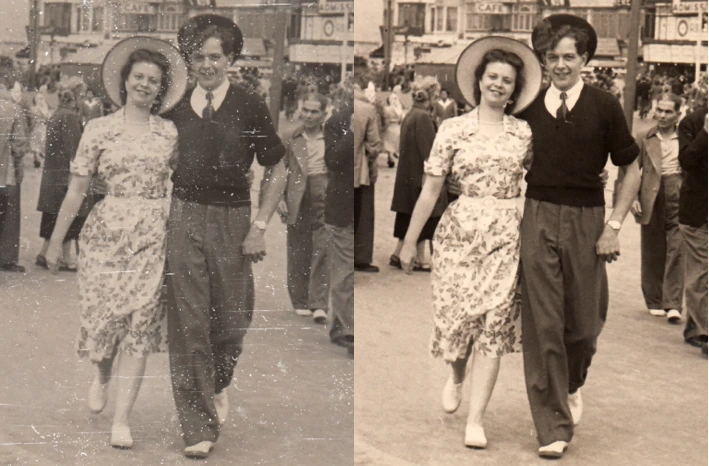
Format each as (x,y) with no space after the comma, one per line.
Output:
(440,161)
(85,162)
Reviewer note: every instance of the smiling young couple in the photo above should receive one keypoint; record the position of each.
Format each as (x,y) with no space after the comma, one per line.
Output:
(484,248)
(204,231)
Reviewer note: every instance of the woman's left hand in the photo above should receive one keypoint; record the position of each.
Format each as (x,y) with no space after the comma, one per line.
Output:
(53,255)
(408,257)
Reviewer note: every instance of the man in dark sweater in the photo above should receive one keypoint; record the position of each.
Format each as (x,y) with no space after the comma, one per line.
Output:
(565,240)
(339,219)
(693,223)
(211,239)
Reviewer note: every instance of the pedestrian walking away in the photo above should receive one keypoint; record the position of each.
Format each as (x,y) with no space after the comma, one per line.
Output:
(211,238)
(418,131)
(476,245)
(565,239)
(122,252)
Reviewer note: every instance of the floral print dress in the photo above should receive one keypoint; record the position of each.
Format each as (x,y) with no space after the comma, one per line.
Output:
(123,240)
(476,245)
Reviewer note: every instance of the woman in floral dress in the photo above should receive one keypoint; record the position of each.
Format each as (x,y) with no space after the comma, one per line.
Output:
(476,244)
(122,251)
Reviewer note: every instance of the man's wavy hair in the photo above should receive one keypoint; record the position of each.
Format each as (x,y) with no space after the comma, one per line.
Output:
(547,38)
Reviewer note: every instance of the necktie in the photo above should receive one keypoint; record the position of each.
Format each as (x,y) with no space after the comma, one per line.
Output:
(563,110)
(208,111)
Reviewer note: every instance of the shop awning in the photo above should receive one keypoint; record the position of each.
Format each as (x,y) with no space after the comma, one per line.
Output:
(607,48)
(606,64)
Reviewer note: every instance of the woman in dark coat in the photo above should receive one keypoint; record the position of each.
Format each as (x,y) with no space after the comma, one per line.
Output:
(417,134)
(63,136)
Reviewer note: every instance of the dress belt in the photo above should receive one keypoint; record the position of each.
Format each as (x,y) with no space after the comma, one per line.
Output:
(489,201)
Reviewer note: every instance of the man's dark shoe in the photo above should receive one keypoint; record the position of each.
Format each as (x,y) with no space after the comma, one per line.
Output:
(344,341)
(697,341)
(366,268)
(12,267)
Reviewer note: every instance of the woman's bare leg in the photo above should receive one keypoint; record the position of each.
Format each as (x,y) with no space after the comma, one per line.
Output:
(484,376)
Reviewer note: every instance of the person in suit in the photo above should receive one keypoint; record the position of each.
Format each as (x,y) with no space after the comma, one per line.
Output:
(657,211)
(339,220)
(303,209)
(444,108)
(366,149)
(14,143)
(693,223)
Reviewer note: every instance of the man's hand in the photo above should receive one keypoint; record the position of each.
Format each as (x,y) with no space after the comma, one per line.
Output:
(254,246)
(635,209)
(452,186)
(250,178)
(282,208)
(608,246)
(705,122)
(604,178)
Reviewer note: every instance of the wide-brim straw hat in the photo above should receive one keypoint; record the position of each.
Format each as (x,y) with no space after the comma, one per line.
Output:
(117,57)
(552,23)
(472,56)
(187,36)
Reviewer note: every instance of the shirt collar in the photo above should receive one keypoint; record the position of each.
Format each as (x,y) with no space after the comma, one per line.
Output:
(570,94)
(662,138)
(217,93)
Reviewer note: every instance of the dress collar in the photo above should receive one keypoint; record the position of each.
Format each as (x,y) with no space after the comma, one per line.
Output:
(120,122)
(472,122)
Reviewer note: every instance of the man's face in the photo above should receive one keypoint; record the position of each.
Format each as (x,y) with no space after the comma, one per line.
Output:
(564,64)
(666,115)
(209,64)
(444,95)
(312,115)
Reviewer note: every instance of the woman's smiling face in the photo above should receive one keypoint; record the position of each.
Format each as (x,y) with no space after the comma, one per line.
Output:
(143,84)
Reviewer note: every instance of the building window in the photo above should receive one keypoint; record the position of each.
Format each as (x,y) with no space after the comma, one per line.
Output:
(439,18)
(523,21)
(412,15)
(169,21)
(59,16)
(85,19)
(433,19)
(490,23)
(610,25)
(452,20)
(97,20)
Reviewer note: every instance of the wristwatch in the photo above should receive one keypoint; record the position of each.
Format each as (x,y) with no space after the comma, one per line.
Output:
(615,224)
(261,225)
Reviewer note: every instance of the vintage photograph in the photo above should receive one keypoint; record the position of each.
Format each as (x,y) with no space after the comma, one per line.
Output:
(531,232)
(176,232)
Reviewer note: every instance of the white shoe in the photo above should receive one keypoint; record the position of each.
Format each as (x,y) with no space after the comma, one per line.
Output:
(304,312)
(657,312)
(673,316)
(475,436)
(121,437)
(576,406)
(221,403)
(199,451)
(319,316)
(553,450)
(452,395)
(98,395)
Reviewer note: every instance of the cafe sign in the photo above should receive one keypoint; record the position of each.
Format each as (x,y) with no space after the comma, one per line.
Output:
(133,8)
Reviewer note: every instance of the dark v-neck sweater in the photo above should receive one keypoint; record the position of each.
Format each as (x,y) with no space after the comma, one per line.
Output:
(215,156)
(569,157)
